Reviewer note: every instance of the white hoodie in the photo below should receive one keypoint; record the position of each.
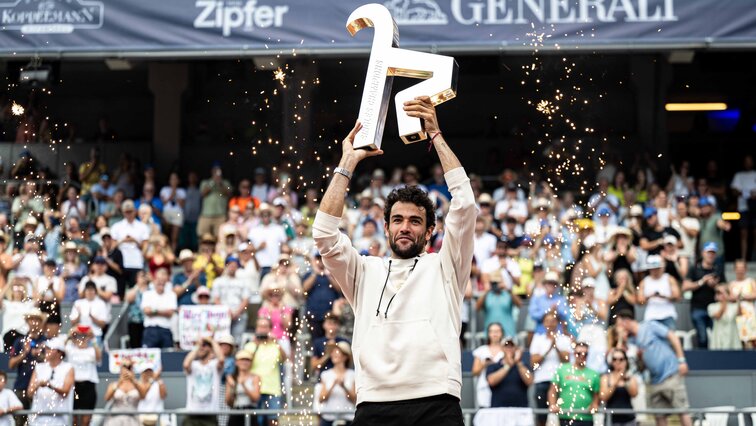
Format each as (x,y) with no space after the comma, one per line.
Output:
(406,337)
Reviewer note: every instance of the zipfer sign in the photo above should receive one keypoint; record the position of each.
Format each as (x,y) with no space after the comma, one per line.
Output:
(172,28)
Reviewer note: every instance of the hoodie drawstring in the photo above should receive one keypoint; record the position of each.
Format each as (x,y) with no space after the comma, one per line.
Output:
(378,310)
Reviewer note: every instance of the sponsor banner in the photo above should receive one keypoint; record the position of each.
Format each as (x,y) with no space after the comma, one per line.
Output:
(141,359)
(175,27)
(202,321)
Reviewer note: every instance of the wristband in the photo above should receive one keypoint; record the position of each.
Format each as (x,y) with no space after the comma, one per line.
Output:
(342,171)
(430,142)
(681,360)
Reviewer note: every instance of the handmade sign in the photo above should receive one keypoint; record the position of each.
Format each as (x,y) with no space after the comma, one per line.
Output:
(202,321)
(141,359)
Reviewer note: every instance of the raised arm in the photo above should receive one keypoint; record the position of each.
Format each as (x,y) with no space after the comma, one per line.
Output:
(333,200)
(459,224)
(422,107)
(339,256)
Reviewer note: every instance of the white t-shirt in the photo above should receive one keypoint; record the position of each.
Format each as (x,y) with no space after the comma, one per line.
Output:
(231,290)
(745,182)
(484,248)
(77,209)
(47,287)
(203,386)
(151,299)
(30,266)
(47,400)
(152,401)
(514,208)
(82,309)
(539,346)
(84,362)
(273,235)
(338,399)
(165,193)
(482,388)
(251,277)
(132,252)
(8,399)
(497,273)
(104,282)
(13,316)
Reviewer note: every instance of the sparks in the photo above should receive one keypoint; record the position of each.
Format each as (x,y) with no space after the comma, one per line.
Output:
(17,109)
(280,75)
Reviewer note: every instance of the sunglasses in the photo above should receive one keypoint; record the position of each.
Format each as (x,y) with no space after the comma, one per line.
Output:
(581,353)
(618,359)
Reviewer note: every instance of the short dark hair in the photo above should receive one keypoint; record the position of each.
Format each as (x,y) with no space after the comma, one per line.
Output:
(3,375)
(411,194)
(626,314)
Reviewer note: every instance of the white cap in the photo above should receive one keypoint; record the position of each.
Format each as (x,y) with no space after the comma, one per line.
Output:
(551,277)
(670,239)
(56,343)
(653,262)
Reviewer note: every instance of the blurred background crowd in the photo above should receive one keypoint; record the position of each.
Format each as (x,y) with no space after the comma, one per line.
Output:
(552,271)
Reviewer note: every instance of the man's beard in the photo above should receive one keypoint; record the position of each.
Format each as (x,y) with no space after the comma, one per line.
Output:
(413,250)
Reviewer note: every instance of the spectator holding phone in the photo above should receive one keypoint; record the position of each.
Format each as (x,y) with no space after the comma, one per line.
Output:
(155,393)
(618,387)
(203,367)
(242,389)
(125,394)
(724,333)
(701,281)
(498,300)
(658,291)
(267,359)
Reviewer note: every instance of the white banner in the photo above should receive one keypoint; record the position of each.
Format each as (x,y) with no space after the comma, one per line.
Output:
(202,321)
(141,359)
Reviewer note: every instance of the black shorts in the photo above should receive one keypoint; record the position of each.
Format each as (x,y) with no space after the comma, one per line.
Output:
(439,410)
(542,399)
(85,395)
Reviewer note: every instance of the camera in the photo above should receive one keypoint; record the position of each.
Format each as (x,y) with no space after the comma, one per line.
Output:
(261,336)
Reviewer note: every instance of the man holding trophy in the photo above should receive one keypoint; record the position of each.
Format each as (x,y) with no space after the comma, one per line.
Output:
(407,308)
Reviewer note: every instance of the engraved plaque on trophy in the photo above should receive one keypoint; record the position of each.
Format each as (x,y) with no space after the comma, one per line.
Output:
(437,72)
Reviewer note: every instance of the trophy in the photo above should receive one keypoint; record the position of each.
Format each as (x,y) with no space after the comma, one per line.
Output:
(387,60)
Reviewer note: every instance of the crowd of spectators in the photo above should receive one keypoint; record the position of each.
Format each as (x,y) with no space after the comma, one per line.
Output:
(104,236)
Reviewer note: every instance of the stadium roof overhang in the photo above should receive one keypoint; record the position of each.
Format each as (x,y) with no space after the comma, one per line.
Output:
(149,29)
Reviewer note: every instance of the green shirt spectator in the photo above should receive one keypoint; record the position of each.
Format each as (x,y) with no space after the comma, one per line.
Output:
(577,388)
(215,201)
